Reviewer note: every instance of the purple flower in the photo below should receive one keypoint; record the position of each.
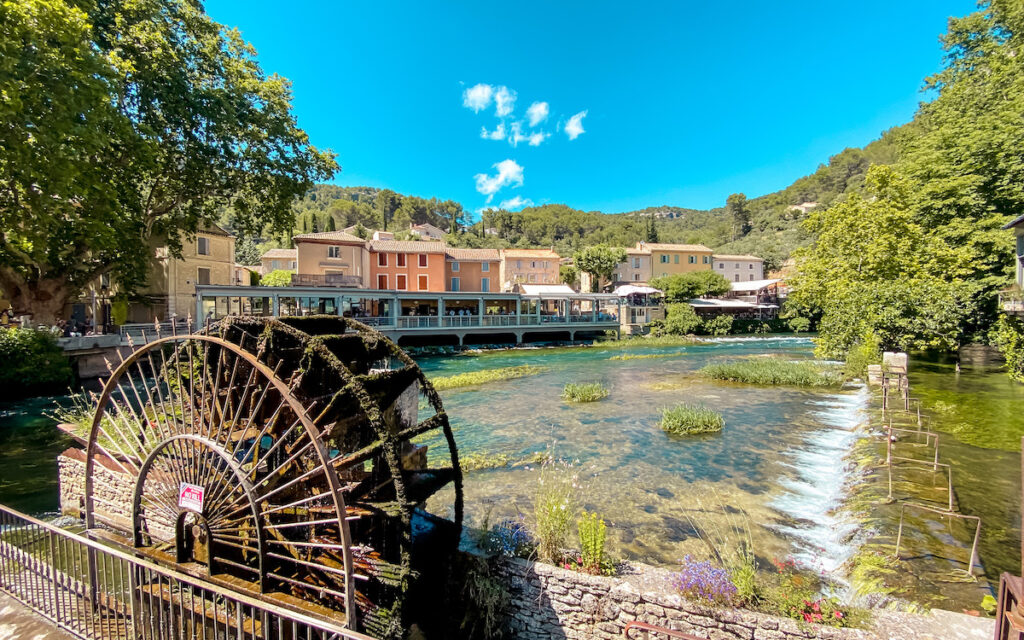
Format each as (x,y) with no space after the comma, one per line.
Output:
(703,581)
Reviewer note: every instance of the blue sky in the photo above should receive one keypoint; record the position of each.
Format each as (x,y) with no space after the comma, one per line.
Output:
(682,103)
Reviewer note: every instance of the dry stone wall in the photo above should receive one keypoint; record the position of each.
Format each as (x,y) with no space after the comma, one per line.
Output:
(549,603)
(112,492)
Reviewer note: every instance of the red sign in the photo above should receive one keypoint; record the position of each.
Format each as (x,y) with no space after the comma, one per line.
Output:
(190,496)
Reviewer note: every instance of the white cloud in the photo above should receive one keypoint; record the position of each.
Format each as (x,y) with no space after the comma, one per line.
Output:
(537,138)
(509,173)
(504,101)
(516,136)
(478,97)
(537,113)
(574,127)
(497,134)
(515,203)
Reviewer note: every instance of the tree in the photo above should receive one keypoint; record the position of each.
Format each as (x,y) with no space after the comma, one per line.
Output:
(652,230)
(386,203)
(330,225)
(681,287)
(569,274)
(452,211)
(247,251)
(736,207)
(599,261)
(680,320)
(277,278)
(127,122)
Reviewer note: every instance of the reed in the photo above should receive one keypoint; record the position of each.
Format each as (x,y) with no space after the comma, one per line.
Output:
(686,419)
(473,378)
(774,371)
(589,392)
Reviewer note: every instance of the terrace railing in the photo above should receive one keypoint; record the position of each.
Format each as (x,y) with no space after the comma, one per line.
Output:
(326,280)
(1011,301)
(97,592)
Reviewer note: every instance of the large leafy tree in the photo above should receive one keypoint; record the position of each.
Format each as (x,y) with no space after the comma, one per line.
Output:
(127,120)
(681,287)
(599,261)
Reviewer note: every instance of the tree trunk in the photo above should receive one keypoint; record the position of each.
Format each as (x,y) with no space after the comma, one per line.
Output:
(44,300)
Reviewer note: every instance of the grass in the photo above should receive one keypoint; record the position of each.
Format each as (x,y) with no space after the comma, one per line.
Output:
(774,371)
(686,419)
(484,376)
(588,392)
(645,356)
(482,461)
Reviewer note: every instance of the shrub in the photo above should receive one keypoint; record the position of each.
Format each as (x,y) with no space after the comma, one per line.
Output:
(590,392)
(1007,335)
(794,594)
(685,419)
(33,364)
(555,508)
(592,531)
(680,319)
(867,350)
(277,278)
(510,538)
(799,324)
(773,371)
(720,325)
(686,286)
(486,375)
(702,581)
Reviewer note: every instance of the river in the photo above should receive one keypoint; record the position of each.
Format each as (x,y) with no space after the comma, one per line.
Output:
(776,467)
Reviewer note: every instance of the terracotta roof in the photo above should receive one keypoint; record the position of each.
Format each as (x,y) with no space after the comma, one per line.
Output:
(728,256)
(215,230)
(280,253)
(638,252)
(406,246)
(472,255)
(529,253)
(330,236)
(657,246)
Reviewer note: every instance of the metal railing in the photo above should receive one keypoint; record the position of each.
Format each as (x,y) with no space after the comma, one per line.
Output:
(326,280)
(645,630)
(98,592)
(1011,301)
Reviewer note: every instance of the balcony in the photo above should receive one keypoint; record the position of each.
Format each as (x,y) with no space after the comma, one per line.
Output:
(326,280)
(1012,301)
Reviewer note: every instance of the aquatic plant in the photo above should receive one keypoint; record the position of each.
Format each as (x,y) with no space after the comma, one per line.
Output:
(702,581)
(774,371)
(555,507)
(588,392)
(484,376)
(685,419)
(725,531)
(510,538)
(482,460)
(645,356)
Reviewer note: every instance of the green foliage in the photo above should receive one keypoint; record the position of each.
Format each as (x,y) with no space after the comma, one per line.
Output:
(599,261)
(484,376)
(119,310)
(719,325)
(592,532)
(103,102)
(569,274)
(588,392)
(680,320)
(555,506)
(1008,336)
(736,208)
(799,324)
(681,287)
(482,461)
(774,371)
(483,599)
(865,351)
(247,251)
(33,364)
(277,278)
(686,419)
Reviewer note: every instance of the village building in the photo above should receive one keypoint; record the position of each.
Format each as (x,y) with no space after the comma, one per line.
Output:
(670,259)
(427,231)
(278,259)
(472,269)
(407,265)
(529,266)
(739,267)
(1012,300)
(331,259)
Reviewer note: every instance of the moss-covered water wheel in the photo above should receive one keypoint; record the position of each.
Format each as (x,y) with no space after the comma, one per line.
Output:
(275,456)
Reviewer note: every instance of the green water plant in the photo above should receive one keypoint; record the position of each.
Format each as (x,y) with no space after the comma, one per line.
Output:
(646,356)
(774,371)
(555,506)
(473,378)
(686,419)
(587,392)
(480,461)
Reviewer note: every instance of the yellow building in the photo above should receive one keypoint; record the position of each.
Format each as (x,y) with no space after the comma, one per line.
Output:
(331,258)
(277,260)
(670,259)
(528,266)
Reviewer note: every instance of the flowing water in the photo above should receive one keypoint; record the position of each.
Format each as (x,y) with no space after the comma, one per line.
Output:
(779,458)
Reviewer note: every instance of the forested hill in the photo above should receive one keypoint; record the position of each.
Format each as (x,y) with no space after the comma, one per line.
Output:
(767,226)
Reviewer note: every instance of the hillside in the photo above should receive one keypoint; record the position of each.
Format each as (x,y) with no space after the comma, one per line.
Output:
(772,231)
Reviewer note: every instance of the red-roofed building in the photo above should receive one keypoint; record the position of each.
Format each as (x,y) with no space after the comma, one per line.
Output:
(407,265)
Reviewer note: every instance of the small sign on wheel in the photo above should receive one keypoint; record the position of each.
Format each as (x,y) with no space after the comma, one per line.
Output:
(190,496)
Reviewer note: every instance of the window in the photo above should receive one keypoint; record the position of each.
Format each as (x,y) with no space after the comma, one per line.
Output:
(636,277)
(423,259)
(636,263)
(751,276)
(485,267)
(677,258)
(693,259)
(400,259)
(455,284)
(721,265)
(334,251)
(533,264)
(424,284)
(294,264)
(400,282)
(485,284)
(105,281)
(707,259)
(455,267)
(382,260)
(750,266)
(382,281)
(533,277)
(736,278)
(519,264)
(664,259)
(737,265)
(202,275)
(203,246)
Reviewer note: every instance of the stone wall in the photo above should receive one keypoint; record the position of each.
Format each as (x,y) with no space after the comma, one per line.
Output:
(549,602)
(112,491)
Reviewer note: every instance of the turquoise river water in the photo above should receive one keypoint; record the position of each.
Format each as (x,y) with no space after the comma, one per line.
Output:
(779,458)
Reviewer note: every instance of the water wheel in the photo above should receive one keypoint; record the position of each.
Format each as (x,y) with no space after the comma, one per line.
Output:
(277,454)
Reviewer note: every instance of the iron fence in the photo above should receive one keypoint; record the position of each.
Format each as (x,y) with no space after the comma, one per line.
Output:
(98,592)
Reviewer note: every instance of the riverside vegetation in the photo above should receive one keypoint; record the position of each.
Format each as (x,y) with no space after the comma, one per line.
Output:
(587,392)
(686,419)
(774,371)
(473,378)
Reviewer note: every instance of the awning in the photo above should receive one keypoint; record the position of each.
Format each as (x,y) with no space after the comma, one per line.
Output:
(632,289)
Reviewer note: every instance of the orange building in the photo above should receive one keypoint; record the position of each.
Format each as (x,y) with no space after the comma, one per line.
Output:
(472,270)
(407,265)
